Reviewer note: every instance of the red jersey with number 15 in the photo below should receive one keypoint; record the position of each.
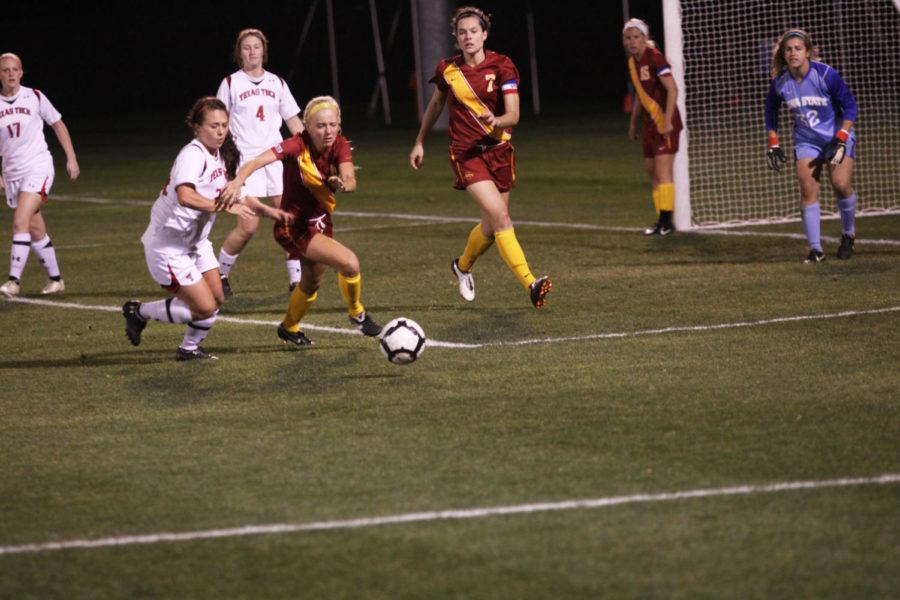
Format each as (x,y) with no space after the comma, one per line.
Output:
(645,76)
(472,91)
(306,172)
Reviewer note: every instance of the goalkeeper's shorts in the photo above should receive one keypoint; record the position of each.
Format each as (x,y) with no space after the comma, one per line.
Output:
(808,150)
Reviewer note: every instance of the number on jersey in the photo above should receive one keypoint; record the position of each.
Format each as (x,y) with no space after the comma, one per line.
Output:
(260,114)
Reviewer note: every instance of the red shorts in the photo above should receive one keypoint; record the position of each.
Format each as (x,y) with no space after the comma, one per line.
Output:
(295,238)
(655,143)
(497,164)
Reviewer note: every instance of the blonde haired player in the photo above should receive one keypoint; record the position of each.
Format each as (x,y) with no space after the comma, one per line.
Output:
(657,101)
(28,172)
(318,164)
(258,102)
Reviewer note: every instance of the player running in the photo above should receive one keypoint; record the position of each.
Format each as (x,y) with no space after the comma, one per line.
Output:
(179,254)
(824,110)
(657,97)
(318,163)
(481,89)
(28,172)
(257,101)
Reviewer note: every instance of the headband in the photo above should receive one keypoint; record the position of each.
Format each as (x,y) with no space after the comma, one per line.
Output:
(321,106)
(636,24)
(799,34)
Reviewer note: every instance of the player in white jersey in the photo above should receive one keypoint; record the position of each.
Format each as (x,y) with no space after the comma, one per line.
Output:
(27,174)
(258,102)
(179,254)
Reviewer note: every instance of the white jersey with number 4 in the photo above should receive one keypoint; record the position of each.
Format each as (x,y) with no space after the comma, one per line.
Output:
(257,109)
(177,228)
(22,144)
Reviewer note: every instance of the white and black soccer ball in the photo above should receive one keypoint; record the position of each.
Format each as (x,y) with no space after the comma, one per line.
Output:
(402,341)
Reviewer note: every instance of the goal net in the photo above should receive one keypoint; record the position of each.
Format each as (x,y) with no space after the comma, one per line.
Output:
(725,52)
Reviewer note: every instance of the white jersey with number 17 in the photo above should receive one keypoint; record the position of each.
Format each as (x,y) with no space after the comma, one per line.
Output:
(257,109)
(22,144)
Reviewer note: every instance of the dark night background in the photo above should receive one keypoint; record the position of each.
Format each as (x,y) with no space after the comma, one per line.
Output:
(127,58)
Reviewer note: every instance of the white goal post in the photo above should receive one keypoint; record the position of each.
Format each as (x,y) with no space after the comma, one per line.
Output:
(720,52)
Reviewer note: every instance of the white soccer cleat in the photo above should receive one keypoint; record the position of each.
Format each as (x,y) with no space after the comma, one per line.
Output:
(466,282)
(54,287)
(10,288)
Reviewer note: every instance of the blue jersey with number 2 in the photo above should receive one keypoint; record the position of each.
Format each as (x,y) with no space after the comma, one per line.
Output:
(818,103)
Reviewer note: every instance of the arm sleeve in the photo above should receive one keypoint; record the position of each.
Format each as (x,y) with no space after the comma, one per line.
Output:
(343,152)
(773,103)
(224,94)
(287,106)
(841,95)
(438,77)
(189,167)
(48,113)
(291,147)
(509,77)
(661,65)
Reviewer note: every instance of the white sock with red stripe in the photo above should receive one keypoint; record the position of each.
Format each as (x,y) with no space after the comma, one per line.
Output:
(47,255)
(18,255)
(173,310)
(197,331)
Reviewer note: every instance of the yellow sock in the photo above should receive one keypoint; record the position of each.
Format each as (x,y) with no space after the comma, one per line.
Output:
(351,288)
(512,254)
(477,245)
(667,196)
(656,200)
(300,303)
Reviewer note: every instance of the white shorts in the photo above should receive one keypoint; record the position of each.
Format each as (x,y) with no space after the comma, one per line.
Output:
(265,182)
(39,183)
(172,269)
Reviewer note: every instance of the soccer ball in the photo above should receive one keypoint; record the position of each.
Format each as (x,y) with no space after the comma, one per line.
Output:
(402,341)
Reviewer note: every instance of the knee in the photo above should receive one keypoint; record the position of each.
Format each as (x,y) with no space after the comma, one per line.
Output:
(350,266)
(248,226)
(205,311)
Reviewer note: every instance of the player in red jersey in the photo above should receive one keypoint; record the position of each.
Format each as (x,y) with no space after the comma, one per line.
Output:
(481,89)
(657,97)
(318,163)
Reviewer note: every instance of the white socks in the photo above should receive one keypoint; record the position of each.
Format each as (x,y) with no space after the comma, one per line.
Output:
(226,262)
(47,255)
(18,255)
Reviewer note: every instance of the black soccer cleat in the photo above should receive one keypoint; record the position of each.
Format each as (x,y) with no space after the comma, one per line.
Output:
(814,256)
(134,324)
(366,325)
(196,354)
(539,290)
(226,288)
(298,339)
(845,251)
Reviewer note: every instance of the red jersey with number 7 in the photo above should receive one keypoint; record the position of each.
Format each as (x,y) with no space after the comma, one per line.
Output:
(472,91)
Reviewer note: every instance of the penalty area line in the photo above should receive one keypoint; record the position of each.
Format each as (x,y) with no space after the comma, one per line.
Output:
(445,515)
(546,340)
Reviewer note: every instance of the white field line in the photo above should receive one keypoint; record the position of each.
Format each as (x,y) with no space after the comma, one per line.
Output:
(437,219)
(445,515)
(548,340)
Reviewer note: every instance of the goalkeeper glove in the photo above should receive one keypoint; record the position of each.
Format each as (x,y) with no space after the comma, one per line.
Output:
(775,155)
(837,147)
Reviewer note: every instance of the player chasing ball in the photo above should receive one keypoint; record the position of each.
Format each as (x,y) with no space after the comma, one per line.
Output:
(480,88)
(28,172)
(318,163)
(657,97)
(824,110)
(179,254)
(257,101)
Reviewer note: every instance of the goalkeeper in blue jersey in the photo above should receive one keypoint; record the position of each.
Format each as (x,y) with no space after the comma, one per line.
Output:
(824,110)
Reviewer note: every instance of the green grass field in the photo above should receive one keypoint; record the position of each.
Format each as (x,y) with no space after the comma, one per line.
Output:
(711,384)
